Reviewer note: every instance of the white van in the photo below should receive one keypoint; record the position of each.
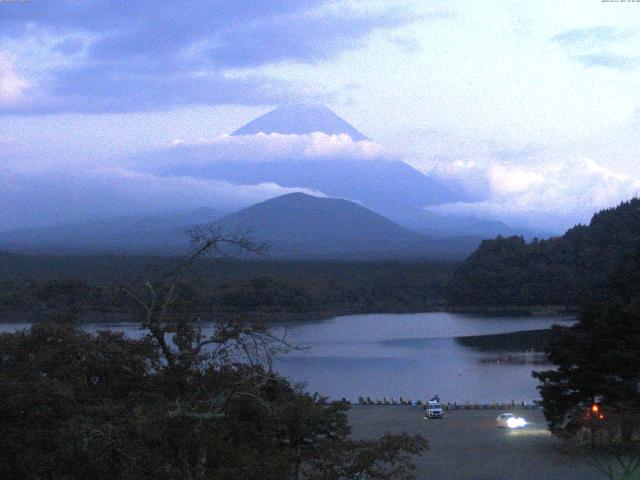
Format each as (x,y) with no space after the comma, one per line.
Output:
(433,409)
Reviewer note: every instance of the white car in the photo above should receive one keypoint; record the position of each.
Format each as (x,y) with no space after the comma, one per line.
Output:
(433,410)
(509,420)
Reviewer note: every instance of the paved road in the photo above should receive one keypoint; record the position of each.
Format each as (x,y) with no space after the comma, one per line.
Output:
(467,445)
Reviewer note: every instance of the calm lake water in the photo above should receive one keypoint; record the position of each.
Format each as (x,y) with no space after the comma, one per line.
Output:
(408,355)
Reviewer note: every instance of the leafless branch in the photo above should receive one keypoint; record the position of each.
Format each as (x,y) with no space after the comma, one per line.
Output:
(156,310)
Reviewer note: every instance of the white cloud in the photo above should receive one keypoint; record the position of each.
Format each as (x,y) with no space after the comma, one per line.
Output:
(513,179)
(273,146)
(550,195)
(185,190)
(12,85)
(262,147)
(66,190)
(58,196)
(463,175)
(323,145)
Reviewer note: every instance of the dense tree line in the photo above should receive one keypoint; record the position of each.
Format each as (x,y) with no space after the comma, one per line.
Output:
(557,271)
(232,286)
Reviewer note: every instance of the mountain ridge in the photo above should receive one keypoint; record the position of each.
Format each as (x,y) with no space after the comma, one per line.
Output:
(299,225)
(296,225)
(131,234)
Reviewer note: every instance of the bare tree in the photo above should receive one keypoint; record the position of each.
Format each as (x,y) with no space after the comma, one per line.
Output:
(180,337)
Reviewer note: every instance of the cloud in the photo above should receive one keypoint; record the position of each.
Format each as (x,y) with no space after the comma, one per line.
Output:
(521,153)
(57,196)
(69,46)
(599,46)
(146,56)
(466,176)
(108,89)
(609,60)
(258,148)
(322,145)
(550,195)
(170,179)
(596,36)
(12,86)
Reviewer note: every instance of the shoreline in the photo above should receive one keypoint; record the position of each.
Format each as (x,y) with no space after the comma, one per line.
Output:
(95,316)
(519,341)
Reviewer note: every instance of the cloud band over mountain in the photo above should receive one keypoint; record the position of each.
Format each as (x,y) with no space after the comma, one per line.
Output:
(261,147)
(56,196)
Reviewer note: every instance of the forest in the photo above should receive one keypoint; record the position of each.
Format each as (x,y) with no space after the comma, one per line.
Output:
(34,287)
(557,271)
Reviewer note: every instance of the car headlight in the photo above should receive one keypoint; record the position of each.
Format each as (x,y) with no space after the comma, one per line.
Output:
(516,422)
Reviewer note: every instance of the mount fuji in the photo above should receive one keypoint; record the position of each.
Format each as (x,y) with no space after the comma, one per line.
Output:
(300,119)
(366,189)
(386,185)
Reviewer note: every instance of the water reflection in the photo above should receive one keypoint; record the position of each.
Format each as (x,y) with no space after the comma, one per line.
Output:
(394,355)
(413,356)
(523,358)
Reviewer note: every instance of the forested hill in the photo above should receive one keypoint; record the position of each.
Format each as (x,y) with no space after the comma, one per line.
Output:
(558,271)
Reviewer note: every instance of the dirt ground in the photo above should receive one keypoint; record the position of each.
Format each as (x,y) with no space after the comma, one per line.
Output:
(467,445)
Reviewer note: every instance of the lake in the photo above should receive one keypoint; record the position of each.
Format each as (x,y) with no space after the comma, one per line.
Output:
(414,356)
(408,355)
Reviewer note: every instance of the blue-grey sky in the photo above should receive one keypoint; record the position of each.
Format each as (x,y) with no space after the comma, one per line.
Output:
(534,102)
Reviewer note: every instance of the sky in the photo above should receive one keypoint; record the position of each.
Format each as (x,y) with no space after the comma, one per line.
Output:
(532,104)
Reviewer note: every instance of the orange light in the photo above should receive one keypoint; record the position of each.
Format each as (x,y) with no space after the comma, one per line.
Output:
(595,408)
(601,417)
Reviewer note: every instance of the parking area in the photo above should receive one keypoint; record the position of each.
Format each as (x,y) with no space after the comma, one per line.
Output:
(467,445)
